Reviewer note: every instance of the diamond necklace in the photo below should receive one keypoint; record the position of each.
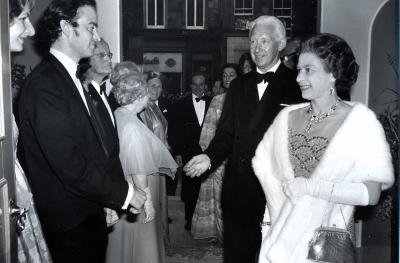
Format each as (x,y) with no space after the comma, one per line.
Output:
(317,118)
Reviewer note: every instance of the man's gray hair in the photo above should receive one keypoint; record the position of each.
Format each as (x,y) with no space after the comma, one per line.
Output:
(277,25)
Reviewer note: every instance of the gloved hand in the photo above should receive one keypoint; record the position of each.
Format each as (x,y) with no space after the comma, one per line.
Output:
(344,193)
(148,207)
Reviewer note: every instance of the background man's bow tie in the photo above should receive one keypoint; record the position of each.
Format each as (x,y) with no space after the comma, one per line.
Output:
(103,88)
(200,98)
(268,77)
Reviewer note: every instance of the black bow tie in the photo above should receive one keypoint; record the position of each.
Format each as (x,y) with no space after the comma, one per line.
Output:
(103,88)
(268,77)
(200,98)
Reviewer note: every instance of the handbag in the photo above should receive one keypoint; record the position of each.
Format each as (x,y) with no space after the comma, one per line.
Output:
(332,245)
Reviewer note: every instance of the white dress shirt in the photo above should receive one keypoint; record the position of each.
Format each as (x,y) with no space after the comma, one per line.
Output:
(199,107)
(262,86)
(71,67)
(104,99)
(109,86)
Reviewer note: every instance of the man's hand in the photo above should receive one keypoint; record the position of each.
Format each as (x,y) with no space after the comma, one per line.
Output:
(137,201)
(197,165)
(178,160)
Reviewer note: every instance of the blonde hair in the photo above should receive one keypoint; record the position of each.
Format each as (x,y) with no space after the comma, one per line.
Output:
(127,66)
(129,88)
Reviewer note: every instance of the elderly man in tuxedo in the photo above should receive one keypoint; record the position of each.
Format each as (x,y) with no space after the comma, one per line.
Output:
(73,172)
(95,72)
(185,122)
(251,104)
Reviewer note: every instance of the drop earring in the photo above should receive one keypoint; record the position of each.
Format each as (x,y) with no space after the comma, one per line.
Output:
(331,91)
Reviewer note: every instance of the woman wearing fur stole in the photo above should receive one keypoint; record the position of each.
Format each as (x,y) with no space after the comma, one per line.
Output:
(320,159)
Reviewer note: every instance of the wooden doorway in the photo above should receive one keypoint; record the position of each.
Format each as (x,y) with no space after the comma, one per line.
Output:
(8,247)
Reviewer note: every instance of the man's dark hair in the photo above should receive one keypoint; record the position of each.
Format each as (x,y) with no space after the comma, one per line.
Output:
(197,73)
(231,65)
(49,28)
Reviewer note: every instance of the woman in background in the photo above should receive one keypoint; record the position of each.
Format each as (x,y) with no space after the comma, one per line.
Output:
(246,64)
(207,217)
(319,160)
(154,119)
(230,71)
(139,238)
(31,243)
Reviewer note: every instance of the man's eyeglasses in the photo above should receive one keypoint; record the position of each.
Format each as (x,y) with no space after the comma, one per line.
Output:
(103,55)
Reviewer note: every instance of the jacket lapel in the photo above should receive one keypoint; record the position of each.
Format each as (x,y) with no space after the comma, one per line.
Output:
(70,82)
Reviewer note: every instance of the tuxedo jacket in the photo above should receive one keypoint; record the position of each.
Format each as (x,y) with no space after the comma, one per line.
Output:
(243,122)
(106,129)
(71,176)
(184,128)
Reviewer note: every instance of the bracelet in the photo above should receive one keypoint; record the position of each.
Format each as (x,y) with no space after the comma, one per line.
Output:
(263,223)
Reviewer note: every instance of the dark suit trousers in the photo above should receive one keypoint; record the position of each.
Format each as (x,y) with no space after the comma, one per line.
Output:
(190,193)
(84,243)
(242,235)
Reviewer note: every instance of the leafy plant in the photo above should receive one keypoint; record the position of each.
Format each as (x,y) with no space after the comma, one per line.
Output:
(390,122)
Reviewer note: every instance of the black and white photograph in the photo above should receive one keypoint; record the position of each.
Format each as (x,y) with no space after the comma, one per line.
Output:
(199,131)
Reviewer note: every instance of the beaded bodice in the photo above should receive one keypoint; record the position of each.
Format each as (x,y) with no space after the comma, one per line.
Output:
(305,152)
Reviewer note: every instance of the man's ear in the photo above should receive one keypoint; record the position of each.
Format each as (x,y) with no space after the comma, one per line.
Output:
(65,27)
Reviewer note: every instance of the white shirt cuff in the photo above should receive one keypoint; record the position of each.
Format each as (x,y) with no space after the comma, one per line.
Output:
(128,196)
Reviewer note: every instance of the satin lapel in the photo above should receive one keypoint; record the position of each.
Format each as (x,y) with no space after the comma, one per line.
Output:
(106,122)
(69,81)
(268,98)
(115,122)
(207,101)
(253,100)
(101,105)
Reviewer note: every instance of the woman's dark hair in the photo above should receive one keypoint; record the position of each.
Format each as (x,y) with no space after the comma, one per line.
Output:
(337,56)
(243,58)
(17,6)
(49,28)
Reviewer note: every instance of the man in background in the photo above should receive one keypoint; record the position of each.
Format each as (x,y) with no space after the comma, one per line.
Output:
(185,122)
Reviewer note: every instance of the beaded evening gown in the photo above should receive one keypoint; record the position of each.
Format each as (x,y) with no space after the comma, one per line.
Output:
(141,152)
(207,217)
(32,246)
(306,149)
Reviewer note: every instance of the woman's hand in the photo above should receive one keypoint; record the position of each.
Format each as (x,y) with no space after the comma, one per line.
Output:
(296,187)
(149,207)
